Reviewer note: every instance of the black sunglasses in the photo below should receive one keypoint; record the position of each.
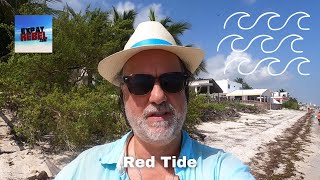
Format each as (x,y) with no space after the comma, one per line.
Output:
(141,84)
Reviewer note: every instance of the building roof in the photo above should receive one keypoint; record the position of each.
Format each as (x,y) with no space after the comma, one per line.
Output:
(250,92)
(274,101)
(214,87)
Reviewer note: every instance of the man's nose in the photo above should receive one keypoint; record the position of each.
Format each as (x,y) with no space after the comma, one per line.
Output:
(157,94)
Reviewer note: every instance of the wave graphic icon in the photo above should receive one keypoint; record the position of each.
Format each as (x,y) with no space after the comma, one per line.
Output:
(273,15)
(266,38)
(274,60)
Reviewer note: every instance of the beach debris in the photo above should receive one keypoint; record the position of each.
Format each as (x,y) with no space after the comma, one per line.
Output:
(41,176)
(53,168)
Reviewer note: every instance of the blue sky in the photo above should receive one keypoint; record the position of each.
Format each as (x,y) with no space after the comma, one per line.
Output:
(207,18)
(33,21)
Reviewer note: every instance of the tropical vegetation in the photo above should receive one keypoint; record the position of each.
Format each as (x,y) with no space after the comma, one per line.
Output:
(60,97)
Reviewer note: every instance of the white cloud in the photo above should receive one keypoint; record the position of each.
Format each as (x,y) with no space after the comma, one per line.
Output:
(48,30)
(259,78)
(143,10)
(81,5)
(143,14)
(126,6)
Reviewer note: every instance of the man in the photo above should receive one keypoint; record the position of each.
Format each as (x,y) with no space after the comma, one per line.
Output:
(152,73)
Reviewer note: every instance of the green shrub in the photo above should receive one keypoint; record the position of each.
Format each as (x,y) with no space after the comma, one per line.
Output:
(84,116)
(292,103)
(214,106)
(194,112)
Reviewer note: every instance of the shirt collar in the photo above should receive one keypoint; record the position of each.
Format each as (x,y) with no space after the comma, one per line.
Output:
(115,150)
(186,146)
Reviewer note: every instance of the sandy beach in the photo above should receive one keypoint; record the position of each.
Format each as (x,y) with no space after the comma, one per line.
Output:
(311,163)
(261,140)
(252,138)
(244,136)
(19,161)
(33,48)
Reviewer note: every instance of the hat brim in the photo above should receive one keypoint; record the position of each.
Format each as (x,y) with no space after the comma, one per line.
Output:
(110,66)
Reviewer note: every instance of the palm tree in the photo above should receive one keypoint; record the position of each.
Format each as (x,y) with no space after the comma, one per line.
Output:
(201,68)
(176,29)
(125,16)
(9,8)
(244,84)
(122,25)
(239,80)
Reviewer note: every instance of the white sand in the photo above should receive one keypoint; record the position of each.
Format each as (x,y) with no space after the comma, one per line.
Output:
(16,164)
(33,48)
(243,136)
(26,163)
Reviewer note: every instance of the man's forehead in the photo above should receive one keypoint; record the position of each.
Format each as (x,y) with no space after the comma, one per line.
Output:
(152,61)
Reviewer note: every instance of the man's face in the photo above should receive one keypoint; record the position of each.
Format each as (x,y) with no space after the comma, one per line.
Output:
(158,116)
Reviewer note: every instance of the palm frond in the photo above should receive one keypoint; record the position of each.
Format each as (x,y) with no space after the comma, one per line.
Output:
(201,68)
(70,10)
(131,14)
(116,15)
(239,80)
(166,21)
(177,29)
(152,15)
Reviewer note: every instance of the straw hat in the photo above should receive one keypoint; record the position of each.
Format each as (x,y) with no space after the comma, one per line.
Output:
(148,35)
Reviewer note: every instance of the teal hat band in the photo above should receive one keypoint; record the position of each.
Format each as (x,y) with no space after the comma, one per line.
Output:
(149,42)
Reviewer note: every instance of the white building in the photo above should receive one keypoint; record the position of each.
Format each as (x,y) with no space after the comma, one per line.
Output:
(228,86)
(262,95)
(205,86)
(280,97)
(261,98)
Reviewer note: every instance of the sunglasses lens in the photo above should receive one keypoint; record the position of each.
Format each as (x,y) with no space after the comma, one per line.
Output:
(139,84)
(173,82)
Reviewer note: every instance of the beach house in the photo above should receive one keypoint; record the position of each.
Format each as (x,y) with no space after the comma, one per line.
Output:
(208,87)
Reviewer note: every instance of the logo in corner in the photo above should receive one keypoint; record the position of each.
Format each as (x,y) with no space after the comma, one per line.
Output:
(33,34)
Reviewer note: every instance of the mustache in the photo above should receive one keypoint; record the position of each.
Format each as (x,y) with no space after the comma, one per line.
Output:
(156,108)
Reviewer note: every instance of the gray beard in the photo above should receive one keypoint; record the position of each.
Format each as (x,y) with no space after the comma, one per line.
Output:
(161,133)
